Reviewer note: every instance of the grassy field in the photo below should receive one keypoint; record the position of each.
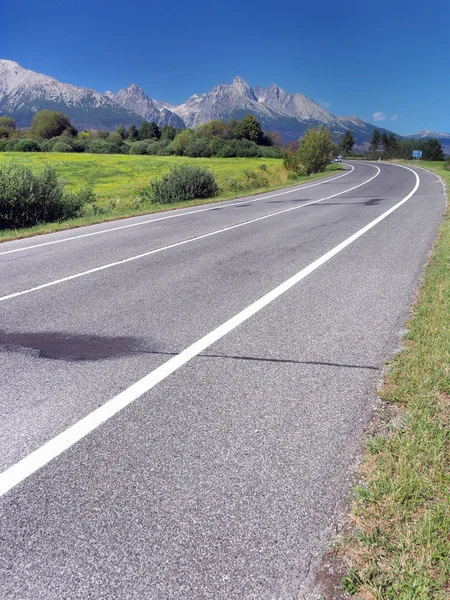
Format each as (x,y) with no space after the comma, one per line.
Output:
(399,546)
(119,180)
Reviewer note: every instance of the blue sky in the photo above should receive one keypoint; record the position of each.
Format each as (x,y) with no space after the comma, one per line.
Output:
(386,61)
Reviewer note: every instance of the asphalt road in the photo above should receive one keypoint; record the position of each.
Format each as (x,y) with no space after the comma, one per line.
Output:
(225,474)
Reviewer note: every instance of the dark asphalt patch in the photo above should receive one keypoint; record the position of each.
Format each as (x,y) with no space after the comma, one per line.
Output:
(66,346)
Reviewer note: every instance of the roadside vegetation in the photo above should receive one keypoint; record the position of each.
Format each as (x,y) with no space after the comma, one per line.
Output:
(399,544)
(120,186)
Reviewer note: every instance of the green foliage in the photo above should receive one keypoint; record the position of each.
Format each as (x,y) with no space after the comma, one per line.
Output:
(351,583)
(61,147)
(347,143)
(374,147)
(168,132)
(248,128)
(181,142)
(138,148)
(122,132)
(133,134)
(316,150)
(149,131)
(432,150)
(80,145)
(8,122)
(239,148)
(28,198)
(99,146)
(48,123)
(25,145)
(184,183)
(212,129)
(5,132)
(198,148)
(100,135)
(291,160)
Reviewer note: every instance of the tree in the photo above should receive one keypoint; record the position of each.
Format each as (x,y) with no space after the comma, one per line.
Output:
(211,129)
(133,134)
(181,141)
(122,132)
(249,128)
(7,122)
(347,142)
(168,132)
(432,150)
(374,147)
(47,124)
(316,150)
(148,131)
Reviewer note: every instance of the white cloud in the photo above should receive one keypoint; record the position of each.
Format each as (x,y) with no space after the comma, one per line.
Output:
(394,117)
(325,104)
(379,116)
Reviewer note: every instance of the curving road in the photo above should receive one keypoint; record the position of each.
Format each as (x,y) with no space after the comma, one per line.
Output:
(183,395)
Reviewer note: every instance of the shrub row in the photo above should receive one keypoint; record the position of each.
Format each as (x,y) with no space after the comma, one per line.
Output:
(196,147)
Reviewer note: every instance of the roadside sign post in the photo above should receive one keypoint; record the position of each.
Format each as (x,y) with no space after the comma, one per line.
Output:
(417,154)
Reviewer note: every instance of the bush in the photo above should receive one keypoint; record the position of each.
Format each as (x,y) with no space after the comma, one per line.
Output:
(46,145)
(80,145)
(316,150)
(198,148)
(27,146)
(447,164)
(270,152)
(3,144)
(28,198)
(241,148)
(255,179)
(184,183)
(11,145)
(138,148)
(61,147)
(291,161)
(100,146)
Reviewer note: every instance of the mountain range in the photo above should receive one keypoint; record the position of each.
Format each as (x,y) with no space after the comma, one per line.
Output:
(24,92)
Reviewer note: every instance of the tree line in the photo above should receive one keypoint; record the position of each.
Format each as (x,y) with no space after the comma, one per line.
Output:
(52,131)
(387,145)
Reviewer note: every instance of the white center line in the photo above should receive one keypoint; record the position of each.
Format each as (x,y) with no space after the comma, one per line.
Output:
(176,244)
(172,216)
(59,444)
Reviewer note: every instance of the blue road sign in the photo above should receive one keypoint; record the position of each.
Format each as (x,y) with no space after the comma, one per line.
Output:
(417,153)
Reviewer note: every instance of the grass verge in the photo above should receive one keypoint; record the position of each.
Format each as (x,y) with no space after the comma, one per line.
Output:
(118,182)
(399,544)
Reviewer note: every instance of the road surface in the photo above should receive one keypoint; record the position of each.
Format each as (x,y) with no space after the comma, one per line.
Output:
(183,395)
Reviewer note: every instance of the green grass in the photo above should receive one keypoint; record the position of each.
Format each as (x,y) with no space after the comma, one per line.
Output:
(119,180)
(400,544)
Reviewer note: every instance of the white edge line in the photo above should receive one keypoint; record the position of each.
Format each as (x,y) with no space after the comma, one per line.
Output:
(173,216)
(56,446)
(176,244)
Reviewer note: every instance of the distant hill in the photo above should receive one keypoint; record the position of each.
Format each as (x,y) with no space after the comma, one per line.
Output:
(24,92)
